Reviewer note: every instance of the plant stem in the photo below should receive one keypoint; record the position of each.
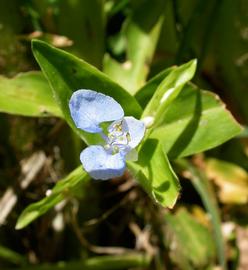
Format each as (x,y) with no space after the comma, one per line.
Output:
(203,187)
(99,263)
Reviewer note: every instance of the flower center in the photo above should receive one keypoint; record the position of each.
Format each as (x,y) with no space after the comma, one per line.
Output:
(118,137)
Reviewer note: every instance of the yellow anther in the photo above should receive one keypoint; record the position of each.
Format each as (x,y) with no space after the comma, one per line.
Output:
(128,137)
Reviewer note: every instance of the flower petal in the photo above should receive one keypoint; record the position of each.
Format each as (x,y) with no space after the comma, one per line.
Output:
(90,108)
(136,129)
(100,164)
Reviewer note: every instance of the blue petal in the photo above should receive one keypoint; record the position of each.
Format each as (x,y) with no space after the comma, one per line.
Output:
(89,109)
(136,129)
(100,164)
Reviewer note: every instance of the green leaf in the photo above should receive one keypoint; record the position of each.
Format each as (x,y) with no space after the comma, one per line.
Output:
(27,94)
(168,90)
(190,123)
(144,94)
(12,256)
(190,235)
(61,191)
(83,26)
(229,56)
(204,188)
(84,23)
(140,33)
(154,172)
(196,121)
(134,260)
(67,73)
(13,53)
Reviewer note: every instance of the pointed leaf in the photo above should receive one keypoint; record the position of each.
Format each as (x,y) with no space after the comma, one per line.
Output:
(144,94)
(140,35)
(168,90)
(196,121)
(66,73)
(27,94)
(154,172)
(59,193)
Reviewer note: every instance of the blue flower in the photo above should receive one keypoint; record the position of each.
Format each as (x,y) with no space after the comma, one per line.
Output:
(89,109)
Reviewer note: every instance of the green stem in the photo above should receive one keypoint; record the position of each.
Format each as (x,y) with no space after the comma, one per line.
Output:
(12,256)
(203,187)
(209,31)
(99,263)
(177,19)
(189,31)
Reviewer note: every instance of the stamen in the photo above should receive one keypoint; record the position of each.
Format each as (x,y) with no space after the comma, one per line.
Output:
(128,137)
(117,140)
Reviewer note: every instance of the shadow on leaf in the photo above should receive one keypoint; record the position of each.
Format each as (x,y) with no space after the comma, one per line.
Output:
(187,134)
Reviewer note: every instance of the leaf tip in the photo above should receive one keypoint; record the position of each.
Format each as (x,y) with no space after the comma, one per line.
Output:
(194,61)
(173,203)
(36,44)
(26,217)
(19,225)
(193,64)
(33,42)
